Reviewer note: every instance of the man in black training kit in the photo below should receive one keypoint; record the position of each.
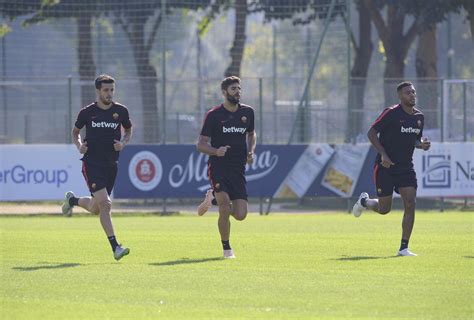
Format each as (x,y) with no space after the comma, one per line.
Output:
(400,131)
(230,130)
(104,120)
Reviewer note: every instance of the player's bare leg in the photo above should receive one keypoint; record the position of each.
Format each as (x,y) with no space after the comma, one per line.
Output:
(225,211)
(408,195)
(239,209)
(102,200)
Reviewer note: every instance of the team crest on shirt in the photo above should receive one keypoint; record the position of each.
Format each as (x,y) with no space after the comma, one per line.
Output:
(115,116)
(244,119)
(93,186)
(418,123)
(379,190)
(217,186)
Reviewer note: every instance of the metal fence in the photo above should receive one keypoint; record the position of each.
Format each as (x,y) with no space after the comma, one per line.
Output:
(44,110)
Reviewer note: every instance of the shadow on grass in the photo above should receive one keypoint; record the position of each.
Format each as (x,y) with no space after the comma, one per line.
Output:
(358,258)
(46,265)
(469,257)
(185,261)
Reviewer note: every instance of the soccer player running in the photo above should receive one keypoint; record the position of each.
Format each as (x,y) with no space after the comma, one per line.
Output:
(395,134)
(228,137)
(103,120)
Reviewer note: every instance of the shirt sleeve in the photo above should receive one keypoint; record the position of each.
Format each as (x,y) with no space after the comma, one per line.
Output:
(81,119)
(126,123)
(207,125)
(251,126)
(383,120)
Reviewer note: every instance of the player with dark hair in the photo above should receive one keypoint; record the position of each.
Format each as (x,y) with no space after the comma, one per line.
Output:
(104,120)
(228,137)
(395,134)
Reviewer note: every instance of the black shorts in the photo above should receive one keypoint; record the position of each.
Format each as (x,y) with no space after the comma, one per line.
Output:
(99,176)
(386,180)
(228,179)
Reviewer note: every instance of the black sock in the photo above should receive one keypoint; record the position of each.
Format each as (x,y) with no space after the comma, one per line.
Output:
(226,245)
(214,202)
(73,201)
(363,202)
(403,244)
(113,242)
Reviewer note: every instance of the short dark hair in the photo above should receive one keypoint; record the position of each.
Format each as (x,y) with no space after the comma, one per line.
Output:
(228,81)
(403,84)
(103,78)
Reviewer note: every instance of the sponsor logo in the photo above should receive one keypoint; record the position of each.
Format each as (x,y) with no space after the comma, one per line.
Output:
(409,130)
(195,169)
(436,171)
(233,130)
(104,124)
(18,174)
(145,170)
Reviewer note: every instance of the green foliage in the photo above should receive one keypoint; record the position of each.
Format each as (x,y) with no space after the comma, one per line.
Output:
(4,30)
(288,266)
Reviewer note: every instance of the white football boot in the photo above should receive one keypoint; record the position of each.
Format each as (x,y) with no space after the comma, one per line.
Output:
(66,207)
(229,254)
(120,252)
(358,208)
(406,253)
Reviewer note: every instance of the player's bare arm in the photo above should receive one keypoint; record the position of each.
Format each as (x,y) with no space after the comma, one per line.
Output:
(204,146)
(251,143)
(119,145)
(76,139)
(374,139)
(423,144)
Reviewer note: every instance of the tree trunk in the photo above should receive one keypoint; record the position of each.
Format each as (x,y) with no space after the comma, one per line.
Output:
(426,67)
(363,54)
(396,44)
(238,46)
(87,70)
(147,76)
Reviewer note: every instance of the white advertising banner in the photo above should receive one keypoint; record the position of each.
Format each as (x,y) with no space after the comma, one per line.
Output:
(446,170)
(40,172)
(343,171)
(305,171)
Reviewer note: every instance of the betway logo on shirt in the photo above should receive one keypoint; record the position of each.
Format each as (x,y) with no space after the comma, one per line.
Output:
(410,130)
(233,130)
(104,124)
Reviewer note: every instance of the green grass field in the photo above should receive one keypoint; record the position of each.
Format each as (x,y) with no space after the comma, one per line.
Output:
(287,266)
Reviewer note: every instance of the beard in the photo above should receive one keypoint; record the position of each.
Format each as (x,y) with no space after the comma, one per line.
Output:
(106,100)
(232,99)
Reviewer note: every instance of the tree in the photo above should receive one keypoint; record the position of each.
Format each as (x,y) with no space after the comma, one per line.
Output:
(141,20)
(238,45)
(396,42)
(83,12)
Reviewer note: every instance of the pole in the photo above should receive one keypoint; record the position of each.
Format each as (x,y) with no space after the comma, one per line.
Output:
(163,72)
(274,83)
(313,66)
(69,114)
(260,125)
(4,88)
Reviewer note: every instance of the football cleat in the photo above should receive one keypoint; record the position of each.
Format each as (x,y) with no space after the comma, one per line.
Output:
(406,253)
(229,254)
(66,207)
(358,208)
(120,252)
